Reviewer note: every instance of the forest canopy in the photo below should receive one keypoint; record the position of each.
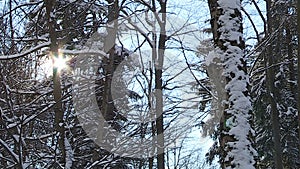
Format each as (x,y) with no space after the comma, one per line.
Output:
(149,84)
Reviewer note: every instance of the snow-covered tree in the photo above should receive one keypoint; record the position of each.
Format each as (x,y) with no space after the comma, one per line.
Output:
(236,132)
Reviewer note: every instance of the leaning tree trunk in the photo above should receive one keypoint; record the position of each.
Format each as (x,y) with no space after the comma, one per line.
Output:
(236,133)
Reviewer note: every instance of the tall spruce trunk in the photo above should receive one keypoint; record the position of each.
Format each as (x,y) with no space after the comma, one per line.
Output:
(270,79)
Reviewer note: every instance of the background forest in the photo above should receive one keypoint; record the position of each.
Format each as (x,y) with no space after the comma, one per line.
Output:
(145,84)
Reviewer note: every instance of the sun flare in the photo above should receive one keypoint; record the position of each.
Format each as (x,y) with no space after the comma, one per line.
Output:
(59,62)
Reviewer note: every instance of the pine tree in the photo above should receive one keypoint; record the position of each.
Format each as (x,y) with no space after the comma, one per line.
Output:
(274,84)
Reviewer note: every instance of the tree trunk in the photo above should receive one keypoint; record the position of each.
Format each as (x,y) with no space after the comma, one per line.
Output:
(236,137)
(298,77)
(109,47)
(158,87)
(153,130)
(57,91)
(270,79)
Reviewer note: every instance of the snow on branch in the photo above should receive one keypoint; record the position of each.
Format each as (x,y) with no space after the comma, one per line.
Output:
(27,52)
(84,51)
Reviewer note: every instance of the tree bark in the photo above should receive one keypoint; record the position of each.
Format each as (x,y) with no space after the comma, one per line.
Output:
(270,79)
(236,136)
(57,91)
(298,71)
(158,86)
(109,47)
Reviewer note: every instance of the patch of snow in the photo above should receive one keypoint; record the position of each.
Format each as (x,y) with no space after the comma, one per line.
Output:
(69,154)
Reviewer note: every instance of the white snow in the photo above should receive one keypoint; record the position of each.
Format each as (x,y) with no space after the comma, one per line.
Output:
(24,53)
(238,104)
(69,154)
